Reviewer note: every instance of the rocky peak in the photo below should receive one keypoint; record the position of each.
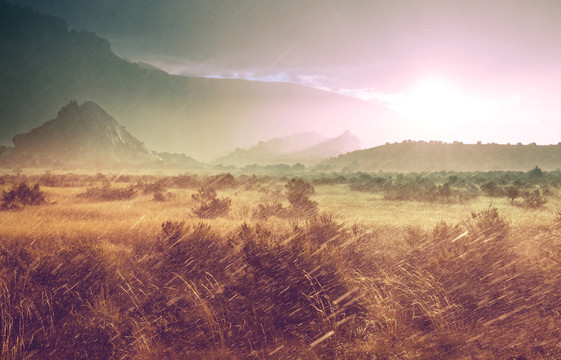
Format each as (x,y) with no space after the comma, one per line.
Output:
(82,133)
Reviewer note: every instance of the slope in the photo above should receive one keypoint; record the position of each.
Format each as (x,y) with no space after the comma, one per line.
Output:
(81,135)
(420,156)
(306,148)
(43,66)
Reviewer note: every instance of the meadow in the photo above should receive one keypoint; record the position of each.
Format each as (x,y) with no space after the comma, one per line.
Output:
(322,266)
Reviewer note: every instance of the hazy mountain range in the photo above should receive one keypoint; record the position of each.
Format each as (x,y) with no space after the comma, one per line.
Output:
(86,136)
(305,148)
(43,66)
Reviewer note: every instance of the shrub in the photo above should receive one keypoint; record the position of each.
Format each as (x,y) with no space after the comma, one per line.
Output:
(535,173)
(469,260)
(491,189)
(298,192)
(22,195)
(265,211)
(152,187)
(178,280)
(221,181)
(534,199)
(47,299)
(107,193)
(209,205)
(512,193)
(291,290)
(183,182)
(159,197)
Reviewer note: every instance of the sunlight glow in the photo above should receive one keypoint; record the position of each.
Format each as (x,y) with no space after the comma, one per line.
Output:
(436,104)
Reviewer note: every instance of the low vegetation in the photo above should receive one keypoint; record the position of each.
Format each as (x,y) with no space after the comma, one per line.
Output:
(108,193)
(21,195)
(271,270)
(209,206)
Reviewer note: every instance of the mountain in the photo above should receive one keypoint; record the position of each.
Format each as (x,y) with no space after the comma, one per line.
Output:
(306,148)
(82,136)
(287,144)
(342,144)
(43,66)
(420,156)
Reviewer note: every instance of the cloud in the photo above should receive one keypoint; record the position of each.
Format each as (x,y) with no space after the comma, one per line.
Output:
(390,100)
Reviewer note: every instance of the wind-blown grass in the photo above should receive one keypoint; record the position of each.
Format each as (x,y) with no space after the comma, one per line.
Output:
(142,279)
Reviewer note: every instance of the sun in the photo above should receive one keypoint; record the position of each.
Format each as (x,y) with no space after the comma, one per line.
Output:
(437,106)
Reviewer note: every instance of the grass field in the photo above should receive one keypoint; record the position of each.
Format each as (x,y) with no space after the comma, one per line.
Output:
(363,278)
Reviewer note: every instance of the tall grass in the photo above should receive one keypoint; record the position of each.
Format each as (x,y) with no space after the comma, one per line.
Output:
(141,279)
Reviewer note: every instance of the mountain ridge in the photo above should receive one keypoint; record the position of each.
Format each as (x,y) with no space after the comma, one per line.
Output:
(304,148)
(421,156)
(45,65)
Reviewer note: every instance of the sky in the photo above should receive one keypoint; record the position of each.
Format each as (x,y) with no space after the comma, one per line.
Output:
(453,70)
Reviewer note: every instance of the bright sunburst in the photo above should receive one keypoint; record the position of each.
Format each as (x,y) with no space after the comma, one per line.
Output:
(434,105)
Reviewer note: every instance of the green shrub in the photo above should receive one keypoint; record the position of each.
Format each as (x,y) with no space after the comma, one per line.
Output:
(512,193)
(491,189)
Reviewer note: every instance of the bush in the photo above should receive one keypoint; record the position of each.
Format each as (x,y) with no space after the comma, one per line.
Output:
(291,289)
(48,301)
(152,187)
(298,192)
(221,181)
(534,199)
(265,211)
(22,195)
(159,197)
(469,260)
(209,205)
(107,193)
(512,193)
(491,189)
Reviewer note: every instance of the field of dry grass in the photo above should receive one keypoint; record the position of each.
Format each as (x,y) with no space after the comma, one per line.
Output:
(365,278)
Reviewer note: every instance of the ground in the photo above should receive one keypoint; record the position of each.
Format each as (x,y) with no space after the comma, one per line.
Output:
(366,278)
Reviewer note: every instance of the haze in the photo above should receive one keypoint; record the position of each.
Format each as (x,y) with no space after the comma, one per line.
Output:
(452,70)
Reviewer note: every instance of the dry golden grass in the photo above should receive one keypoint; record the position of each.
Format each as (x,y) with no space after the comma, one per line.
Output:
(381,280)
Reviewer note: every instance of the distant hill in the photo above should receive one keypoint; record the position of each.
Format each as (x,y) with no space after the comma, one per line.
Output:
(43,66)
(306,148)
(342,144)
(420,156)
(82,136)
(288,144)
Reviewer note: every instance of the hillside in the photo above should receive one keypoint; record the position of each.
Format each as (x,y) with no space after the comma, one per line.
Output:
(420,156)
(306,148)
(346,142)
(82,136)
(43,66)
